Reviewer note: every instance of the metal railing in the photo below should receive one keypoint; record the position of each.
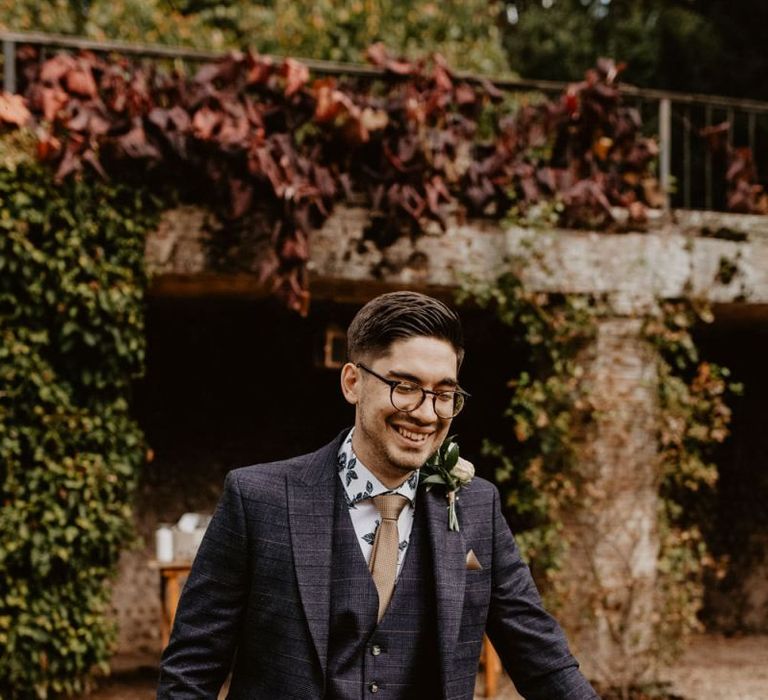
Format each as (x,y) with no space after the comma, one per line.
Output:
(689,173)
(694,175)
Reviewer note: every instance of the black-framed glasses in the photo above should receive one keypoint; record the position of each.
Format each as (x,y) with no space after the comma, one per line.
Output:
(407,396)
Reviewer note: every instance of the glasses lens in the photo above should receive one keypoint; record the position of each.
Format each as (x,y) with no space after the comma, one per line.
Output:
(448,404)
(407,397)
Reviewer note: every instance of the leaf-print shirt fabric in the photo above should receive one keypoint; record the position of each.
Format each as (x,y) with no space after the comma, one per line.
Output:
(360,486)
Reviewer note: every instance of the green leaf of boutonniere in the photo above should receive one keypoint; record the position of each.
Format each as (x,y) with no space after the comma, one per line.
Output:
(445,467)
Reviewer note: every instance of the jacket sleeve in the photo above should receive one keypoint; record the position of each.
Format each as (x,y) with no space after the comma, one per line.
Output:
(530,642)
(206,627)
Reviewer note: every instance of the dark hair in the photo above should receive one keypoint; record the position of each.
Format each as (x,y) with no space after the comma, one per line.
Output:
(400,315)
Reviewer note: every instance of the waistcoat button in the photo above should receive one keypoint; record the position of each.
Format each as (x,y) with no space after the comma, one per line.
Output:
(375,650)
(374,687)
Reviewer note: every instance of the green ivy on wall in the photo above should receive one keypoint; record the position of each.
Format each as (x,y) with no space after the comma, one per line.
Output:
(548,409)
(693,418)
(551,412)
(71,342)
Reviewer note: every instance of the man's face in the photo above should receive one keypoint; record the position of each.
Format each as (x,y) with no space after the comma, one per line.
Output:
(392,443)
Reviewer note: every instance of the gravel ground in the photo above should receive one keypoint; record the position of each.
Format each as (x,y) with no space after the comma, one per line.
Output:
(714,668)
(723,668)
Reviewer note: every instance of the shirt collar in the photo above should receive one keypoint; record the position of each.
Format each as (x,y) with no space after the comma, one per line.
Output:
(360,483)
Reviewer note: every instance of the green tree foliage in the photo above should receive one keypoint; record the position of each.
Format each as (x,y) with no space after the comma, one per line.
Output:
(466,32)
(709,46)
(146,21)
(71,341)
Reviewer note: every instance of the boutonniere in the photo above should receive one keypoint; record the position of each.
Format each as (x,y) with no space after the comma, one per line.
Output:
(446,468)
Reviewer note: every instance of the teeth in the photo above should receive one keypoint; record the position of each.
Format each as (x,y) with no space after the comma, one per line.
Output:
(416,437)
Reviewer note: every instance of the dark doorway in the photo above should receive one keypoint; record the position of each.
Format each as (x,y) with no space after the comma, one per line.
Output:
(235,382)
(739,601)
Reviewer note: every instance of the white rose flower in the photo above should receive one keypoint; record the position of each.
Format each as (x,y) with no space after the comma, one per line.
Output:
(463,471)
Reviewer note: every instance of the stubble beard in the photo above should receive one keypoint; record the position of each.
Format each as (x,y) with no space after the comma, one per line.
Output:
(388,456)
(385,453)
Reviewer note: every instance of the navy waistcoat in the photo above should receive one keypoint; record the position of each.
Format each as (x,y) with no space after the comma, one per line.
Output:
(395,659)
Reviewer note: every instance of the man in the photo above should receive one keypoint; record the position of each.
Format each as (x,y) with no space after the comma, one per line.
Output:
(333,575)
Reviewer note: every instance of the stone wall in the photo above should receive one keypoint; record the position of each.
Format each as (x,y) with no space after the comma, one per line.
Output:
(722,258)
(613,543)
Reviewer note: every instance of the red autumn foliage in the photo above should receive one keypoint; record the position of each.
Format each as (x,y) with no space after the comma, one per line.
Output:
(744,194)
(266,138)
(13,110)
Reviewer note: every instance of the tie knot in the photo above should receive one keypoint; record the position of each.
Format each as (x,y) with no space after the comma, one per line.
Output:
(390,505)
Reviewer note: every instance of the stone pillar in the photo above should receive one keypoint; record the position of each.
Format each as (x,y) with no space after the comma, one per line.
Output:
(611,564)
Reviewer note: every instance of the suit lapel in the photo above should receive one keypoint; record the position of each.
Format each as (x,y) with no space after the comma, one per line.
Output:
(449,564)
(310,513)
(311,499)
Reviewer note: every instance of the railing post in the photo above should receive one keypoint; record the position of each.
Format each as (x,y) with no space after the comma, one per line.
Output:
(751,126)
(9,65)
(708,163)
(665,147)
(687,175)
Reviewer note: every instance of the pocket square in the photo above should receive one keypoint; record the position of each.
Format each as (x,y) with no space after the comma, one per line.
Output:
(472,563)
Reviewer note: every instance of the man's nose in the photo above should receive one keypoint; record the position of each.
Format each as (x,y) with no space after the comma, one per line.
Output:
(426,412)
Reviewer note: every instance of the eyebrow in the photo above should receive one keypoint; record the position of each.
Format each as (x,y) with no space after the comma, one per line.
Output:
(395,374)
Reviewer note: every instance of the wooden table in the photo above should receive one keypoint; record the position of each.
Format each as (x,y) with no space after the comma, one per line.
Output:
(172,575)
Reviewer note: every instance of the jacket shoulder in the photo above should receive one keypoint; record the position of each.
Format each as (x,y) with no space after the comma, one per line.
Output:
(480,489)
(266,474)
(266,470)
(258,478)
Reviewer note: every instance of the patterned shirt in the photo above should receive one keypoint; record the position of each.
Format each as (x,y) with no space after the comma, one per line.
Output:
(360,485)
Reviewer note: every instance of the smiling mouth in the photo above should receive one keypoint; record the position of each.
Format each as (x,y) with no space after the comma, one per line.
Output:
(411,436)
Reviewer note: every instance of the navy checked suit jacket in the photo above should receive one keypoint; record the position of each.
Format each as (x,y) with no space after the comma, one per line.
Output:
(259,593)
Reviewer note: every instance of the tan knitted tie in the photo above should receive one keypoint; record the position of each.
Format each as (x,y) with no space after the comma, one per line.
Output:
(383,564)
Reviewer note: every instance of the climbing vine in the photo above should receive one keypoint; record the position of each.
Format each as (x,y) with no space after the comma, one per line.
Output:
(71,342)
(693,417)
(548,410)
(542,472)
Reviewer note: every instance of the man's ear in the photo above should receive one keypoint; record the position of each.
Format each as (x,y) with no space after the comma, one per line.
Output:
(350,383)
